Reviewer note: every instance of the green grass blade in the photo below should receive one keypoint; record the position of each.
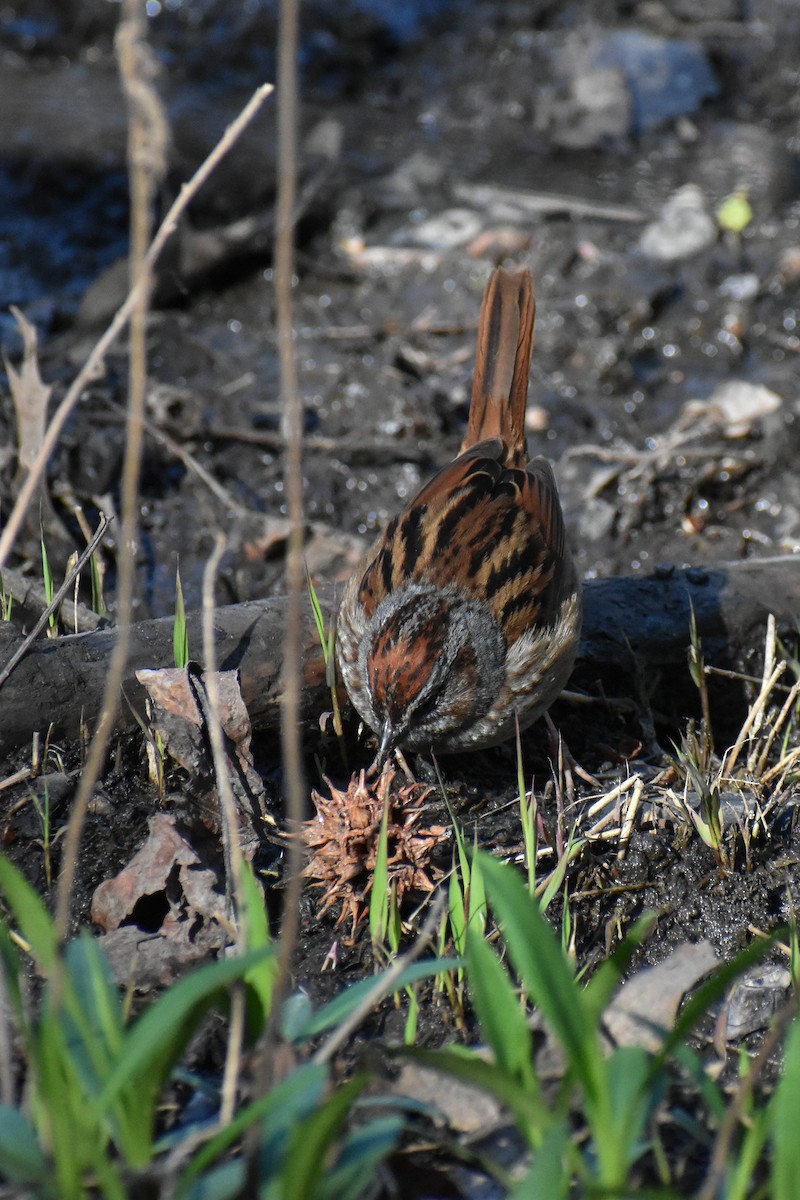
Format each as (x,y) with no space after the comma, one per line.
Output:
(573,848)
(319,619)
(545,973)
(287,1102)
(21,1157)
(180,634)
(342,1005)
(457,908)
(476,901)
(155,1041)
(785,1107)
(363,1151)
(30,914)
(379,896)
(499,1012)
(549,1176)
(311,1143)
(260,978)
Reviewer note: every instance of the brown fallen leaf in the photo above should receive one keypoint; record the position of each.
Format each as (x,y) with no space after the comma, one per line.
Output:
(30,396)
(176,715)
(161,911)
(165,859)
(646,1005)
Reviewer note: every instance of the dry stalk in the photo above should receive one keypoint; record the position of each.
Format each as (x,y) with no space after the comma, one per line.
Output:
(147,150)
(234,881)
(269,1070)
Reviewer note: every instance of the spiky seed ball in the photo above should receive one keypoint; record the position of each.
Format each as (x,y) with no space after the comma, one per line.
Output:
(343,841)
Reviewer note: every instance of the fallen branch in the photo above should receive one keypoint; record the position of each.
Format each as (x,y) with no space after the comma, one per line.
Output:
(631,624)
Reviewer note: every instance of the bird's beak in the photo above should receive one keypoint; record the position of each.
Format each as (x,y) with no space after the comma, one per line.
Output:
(386,745)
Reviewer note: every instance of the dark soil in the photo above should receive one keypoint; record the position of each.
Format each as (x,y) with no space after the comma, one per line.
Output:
(397,120)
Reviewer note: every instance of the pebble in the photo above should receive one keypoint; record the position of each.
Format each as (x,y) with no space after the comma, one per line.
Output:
(682,228)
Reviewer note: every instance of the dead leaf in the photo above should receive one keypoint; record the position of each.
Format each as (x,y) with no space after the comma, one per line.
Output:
(176,715)
(647,1003)
(30,396)
(161,911)
(165,858)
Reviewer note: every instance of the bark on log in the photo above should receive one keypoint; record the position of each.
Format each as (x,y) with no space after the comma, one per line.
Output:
(627,620)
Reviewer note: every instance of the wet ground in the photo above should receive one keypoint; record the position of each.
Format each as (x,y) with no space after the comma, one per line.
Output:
(550,134)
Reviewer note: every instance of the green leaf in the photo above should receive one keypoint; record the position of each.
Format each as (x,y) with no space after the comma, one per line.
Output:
(477,892)
(180,633)
(260,977)
(224,1183)
(319,619)
(545,973)
(379,896)
(457,909)
(336,1010)
(785,1107)
(363,1151)
(21,1157)
(155,1041)
(289,1102)
(549,1176)
(311,1143)
(30,914)
(572,849)
(629,1108)
(499,1012)
(735,213)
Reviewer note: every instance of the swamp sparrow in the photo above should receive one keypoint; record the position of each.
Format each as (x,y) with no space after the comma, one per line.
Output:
(465,615)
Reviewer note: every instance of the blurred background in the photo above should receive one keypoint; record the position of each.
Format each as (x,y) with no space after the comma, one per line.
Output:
(641,157)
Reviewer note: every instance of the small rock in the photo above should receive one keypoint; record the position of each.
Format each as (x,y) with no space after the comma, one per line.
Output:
(444,231)
(754,999)
(739,403)
(682,228)
(740,287)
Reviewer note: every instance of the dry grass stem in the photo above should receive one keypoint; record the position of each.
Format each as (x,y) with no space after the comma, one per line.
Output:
(54,604)
(234,880)
(629,820)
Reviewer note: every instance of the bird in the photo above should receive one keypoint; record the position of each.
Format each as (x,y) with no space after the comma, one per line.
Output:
(462,621)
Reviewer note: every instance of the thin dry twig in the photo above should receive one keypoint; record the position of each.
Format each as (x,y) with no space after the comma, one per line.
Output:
(295,565)
(234,881)
(293,431)
(93,368)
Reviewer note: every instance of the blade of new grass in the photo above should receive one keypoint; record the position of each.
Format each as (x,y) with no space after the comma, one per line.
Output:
(180,634)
